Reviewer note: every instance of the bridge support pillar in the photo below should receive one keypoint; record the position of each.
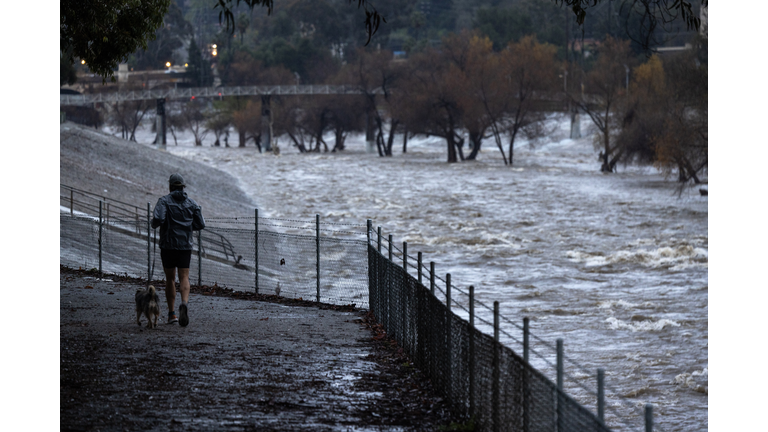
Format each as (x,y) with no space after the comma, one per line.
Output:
(266,123)
(160,138)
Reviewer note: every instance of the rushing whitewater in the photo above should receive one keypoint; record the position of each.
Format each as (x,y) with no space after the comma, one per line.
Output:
(614,264)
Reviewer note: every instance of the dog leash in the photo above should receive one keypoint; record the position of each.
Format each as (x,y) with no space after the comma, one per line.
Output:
(154,258)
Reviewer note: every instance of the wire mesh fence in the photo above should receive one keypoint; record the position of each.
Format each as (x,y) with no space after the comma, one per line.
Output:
(480,377)
(328,266)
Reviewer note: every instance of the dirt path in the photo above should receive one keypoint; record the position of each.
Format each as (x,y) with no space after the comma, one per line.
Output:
(239,365)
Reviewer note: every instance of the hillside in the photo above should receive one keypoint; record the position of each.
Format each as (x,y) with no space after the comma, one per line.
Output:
(126,171)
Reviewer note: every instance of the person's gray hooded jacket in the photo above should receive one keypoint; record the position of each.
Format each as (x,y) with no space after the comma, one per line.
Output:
(177,216)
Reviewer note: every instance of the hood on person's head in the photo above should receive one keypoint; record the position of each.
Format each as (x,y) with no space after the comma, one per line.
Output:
(179,195)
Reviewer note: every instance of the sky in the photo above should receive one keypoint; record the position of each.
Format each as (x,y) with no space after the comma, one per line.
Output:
(737,234)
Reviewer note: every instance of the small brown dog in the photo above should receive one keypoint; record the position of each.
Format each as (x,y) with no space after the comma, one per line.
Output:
(147,303)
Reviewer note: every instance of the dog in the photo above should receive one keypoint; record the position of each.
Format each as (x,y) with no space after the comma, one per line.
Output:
(147,303)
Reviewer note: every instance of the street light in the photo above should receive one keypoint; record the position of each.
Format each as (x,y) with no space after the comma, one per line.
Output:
(167,64)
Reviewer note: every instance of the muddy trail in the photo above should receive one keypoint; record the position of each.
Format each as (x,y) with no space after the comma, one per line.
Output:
(246,362)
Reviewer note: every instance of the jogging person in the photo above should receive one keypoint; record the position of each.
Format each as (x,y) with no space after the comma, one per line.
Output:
(177,216)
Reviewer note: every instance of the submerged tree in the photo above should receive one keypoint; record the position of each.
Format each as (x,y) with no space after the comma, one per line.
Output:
(664,120)
(193,116)
(603,87)
(434,107)
(528,72)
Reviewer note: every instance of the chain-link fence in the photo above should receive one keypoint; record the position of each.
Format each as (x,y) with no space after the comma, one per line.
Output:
(480,378)
(297,259)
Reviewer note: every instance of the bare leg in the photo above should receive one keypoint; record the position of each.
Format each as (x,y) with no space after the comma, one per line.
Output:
(184,284)
(170,288)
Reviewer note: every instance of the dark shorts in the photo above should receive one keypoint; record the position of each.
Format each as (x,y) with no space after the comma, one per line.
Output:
(175,258)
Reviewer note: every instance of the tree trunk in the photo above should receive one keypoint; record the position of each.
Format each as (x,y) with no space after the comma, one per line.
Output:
(512,144)
(241,138)
(460,147)
(390,140)
(339,144)
(451,148)
(477,140)
(297,143)
(405,140)
(606,167)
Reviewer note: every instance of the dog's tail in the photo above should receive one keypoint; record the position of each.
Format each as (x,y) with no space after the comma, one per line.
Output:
(153,294)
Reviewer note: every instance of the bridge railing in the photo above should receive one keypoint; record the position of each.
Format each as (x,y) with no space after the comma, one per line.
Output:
(209,92)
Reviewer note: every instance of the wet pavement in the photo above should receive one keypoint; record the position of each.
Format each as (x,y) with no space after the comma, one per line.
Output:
(239,365)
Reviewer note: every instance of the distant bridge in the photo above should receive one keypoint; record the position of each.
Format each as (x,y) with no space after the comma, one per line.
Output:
(210,92)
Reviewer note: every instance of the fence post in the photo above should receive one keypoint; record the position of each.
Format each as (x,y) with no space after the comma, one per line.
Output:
(601,394)
(559,411)
(648,418)
(526,383)
(405,257)
(418,263)
(149,243)
(403,297)
(100,235)
(526,338)
(317,241)
(71,202)
(448,338)
(471,350)
(432,277)
(496,399)
(379,279)
(368,228)
(388,324)
(256,251)
(199,258)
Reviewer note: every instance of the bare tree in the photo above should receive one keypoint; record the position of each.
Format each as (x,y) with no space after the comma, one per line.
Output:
(433,107)
(529,71)
(218,123)
(174,122)
(375,75)
(127,116)
(194,120)
(604,87)
(471,70)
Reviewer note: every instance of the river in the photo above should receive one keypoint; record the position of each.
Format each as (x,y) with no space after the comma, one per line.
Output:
(614,264)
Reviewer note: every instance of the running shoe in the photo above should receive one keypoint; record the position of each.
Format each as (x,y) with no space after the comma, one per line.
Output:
(184,319)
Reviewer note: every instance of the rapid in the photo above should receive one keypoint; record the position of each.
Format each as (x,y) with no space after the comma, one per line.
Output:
(614,264)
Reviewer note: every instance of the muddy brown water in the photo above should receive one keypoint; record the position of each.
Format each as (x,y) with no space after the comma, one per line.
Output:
(240,365)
